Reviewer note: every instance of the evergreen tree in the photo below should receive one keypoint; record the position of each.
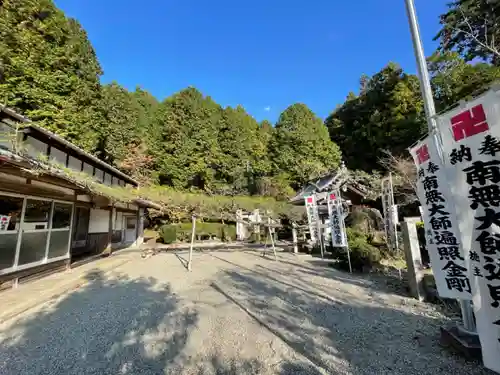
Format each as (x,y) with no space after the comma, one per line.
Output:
(301,147)
(472,28)
(188,151)
(386,115)
(453,79)
(49,70)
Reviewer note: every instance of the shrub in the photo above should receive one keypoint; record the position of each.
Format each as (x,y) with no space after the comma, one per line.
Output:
(227,232)
(183,231)
(168,233)
(364,219)
(255,238)
(363,254)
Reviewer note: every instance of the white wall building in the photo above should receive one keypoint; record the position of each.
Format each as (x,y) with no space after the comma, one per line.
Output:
(47,221)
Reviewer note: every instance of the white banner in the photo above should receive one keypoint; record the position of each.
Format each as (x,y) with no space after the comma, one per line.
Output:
(312,216)
(4,223)
(471,151)
(441,227)
(390,213)
(337,226)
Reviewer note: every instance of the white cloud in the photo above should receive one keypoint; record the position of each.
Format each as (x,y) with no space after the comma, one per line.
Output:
(267,109)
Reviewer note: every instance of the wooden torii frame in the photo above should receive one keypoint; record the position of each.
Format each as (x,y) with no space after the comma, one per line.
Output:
(270,231)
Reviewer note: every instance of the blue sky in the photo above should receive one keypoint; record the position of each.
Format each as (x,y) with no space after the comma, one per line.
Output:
(262,54)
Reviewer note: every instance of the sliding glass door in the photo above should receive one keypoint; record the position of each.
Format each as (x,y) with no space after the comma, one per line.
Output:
(35,231)
(11,209)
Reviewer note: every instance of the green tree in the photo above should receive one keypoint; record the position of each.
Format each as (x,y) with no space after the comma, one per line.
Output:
(471,27)
(120,129)
(187,152)
(386,115)
(453,79)
(243,152)
(49,70)
(146,105)
(300,146)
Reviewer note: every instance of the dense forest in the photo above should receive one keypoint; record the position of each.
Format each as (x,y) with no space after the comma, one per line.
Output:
(50,73)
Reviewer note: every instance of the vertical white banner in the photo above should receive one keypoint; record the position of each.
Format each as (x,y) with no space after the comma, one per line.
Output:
(4,222)
(471,151)
(441,228)
(335,213)
(312,216)
(390,213)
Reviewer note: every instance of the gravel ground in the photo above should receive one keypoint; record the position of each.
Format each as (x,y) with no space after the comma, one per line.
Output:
(236,313)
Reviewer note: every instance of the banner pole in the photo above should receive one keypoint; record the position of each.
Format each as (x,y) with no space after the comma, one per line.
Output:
(467,316)
(193,231)
(430,110)
(320,239)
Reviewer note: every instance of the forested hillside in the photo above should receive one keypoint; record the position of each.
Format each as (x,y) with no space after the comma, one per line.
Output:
(50,73)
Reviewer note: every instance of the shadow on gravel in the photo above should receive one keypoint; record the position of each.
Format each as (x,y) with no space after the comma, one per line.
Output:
(253,367)
(344,335)
(115,326)
(323,268)
(108,326)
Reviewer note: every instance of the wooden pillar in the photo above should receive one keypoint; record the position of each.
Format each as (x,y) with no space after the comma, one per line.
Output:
(109,249)
(140,227)
(295,241)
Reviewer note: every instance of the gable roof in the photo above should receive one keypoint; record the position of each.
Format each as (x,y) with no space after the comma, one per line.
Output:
(332,181)
(38,131)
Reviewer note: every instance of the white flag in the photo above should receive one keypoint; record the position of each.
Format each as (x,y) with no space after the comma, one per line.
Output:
(471,152)
(441,228)
(390,213)
(335,213)
(312,216)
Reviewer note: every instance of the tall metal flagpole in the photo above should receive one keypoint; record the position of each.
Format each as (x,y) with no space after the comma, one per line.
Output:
(430,111)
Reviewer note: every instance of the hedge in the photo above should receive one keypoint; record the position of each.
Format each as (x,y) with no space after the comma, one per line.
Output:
(182,231)
(363,254)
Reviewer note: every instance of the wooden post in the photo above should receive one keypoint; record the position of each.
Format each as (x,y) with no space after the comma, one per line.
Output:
(320,239)
(294,235)
(265,247)
(140,227)
(272,242)
(193,231)
(109,249)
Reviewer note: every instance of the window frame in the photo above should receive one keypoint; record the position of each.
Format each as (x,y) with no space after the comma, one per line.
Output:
(16,267)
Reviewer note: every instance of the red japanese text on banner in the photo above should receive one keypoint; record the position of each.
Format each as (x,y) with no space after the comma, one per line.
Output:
(312,216)
(336,216)
(471,152)
(441,228)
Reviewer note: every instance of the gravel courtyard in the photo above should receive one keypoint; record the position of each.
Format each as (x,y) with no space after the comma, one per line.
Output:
(235,313)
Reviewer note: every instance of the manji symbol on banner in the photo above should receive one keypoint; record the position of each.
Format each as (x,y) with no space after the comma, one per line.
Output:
(337,226)
(312,216)
(471,151)
(441,228)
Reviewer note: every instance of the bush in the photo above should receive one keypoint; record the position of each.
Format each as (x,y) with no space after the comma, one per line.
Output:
(363,254)
(364,219)
(255,238)
(227,232)
(183,231)
(168,233)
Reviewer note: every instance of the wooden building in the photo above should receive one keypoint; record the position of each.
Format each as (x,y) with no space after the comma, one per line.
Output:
(353,193)
(47,220)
